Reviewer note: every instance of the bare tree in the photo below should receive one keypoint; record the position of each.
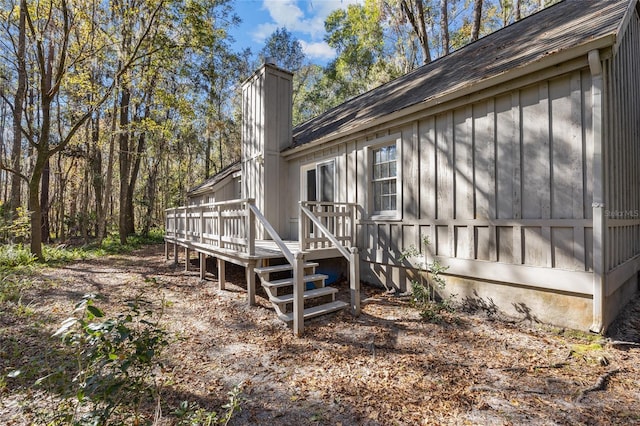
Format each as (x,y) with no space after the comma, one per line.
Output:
(18,101)
(477,19)
(518,9)
(415,13)
(444,25)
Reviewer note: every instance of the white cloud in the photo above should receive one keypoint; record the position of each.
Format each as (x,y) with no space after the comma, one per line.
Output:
(305,19)
(285,13)
(288,13)
(263,31)
(317,50)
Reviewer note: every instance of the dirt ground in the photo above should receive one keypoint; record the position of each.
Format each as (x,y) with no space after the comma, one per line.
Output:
(385,367)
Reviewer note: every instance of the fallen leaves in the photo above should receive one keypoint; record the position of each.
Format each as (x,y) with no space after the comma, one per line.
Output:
(385,367)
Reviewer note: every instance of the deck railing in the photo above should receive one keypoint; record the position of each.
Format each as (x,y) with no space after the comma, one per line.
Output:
(231,225)
(333,225)
(338,220)
(226,225)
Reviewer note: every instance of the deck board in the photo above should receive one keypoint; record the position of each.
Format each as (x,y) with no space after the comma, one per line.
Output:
(264,249)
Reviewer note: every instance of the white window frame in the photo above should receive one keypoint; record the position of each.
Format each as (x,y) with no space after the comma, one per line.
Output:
(316,166)
(369,149)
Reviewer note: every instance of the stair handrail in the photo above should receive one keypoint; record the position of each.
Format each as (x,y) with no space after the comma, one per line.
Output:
(342,249)
(297,263)
(273,233)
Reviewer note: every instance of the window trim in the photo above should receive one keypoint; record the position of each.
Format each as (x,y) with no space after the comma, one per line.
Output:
(316,166)
(373,145)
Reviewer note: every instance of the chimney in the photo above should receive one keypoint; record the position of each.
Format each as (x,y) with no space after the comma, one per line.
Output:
(266,130)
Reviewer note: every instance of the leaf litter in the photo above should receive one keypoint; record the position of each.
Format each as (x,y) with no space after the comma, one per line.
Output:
(385,367)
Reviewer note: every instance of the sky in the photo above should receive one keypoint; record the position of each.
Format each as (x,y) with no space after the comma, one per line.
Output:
(303,18)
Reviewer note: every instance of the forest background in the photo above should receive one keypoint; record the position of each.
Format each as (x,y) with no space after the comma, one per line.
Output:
(110,110)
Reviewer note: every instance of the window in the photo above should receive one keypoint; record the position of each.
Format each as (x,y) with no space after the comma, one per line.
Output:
(320,182)
(384,179)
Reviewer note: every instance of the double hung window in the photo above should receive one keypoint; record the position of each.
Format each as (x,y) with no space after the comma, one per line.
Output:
(385,179)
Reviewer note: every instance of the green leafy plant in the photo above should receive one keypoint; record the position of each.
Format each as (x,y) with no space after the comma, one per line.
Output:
(111,244)
(15,255)
(190,413)
(14,229)
(427,290)
(117,361)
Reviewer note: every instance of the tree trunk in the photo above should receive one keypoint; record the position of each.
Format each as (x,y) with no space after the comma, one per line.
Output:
(108,184)
(207,159)
(44,201)
(42,154)
(135,171)
(477,19)
(62,234)
(444,25)
(18,104)
(518,10)
(84,199)
(150,196)
(124,157)
(95,170)
(418,23)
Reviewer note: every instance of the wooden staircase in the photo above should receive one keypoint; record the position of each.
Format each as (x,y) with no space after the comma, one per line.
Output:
(319,299)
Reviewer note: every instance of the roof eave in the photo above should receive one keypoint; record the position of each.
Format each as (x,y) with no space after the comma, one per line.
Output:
(550,60)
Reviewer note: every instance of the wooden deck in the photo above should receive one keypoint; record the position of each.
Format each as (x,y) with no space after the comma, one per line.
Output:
(227,231)
(264,250)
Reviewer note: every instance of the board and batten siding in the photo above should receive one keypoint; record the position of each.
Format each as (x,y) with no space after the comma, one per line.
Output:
(266,130)
(503,181)
(622,159)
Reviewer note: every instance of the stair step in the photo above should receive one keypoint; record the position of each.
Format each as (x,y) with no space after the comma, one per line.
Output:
(282,268)
(315,311)
(289,281)
(309,294)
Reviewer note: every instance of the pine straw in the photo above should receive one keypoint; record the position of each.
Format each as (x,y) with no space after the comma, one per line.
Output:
(385,367)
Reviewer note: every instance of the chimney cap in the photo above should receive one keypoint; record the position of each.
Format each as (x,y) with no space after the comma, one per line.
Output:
(270,60)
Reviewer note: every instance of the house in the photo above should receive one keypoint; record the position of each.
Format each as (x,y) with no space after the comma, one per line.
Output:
(224,185)
(515,156)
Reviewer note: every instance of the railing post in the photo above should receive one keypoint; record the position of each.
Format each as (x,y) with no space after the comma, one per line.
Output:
(201,225)
(354,280)
(175,236)
(220,231)
(251,229)
(186,223)
(302,228)
(352,237)
(175,223)
(298,294)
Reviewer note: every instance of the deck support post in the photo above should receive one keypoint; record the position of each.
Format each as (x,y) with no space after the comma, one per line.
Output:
(298,294)
(251,283)
(187,256)
(354,280)
(221,279)
(175,253)
(166,250)
(203,266)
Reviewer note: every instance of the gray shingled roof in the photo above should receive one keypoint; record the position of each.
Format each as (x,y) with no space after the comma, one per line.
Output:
(558,28)
(213,180)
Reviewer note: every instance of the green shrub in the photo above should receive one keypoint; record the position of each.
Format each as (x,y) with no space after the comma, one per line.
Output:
(111,244)
(190,413)
(427,291)
(14,255)
(14,229)
(117,361)
(118,367)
